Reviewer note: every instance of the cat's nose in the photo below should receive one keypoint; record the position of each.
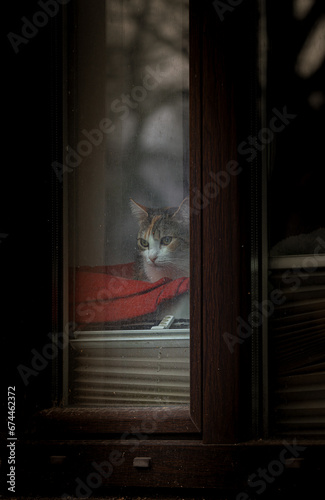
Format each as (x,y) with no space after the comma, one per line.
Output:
(153,257)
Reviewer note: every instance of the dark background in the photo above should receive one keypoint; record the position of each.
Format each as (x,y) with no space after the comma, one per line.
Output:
(25,213)
(296,188)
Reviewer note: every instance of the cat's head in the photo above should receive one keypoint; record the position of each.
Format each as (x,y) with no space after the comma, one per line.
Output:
(163,240)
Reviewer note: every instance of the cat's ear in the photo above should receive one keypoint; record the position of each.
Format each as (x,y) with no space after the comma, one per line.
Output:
(139,211)
(183,211)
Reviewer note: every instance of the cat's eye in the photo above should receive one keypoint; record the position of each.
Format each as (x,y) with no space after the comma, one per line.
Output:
(144,243)
(166,240)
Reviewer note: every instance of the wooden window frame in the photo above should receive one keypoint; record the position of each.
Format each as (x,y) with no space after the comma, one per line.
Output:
(219,398)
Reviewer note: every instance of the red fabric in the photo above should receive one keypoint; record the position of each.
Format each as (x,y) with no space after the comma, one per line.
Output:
(108,293)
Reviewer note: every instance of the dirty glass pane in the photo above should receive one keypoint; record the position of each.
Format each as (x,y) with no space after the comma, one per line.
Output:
(128,187)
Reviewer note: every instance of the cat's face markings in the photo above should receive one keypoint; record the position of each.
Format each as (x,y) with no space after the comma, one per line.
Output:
(151,240)
(152,227)
(153,250)
(163,241)
(155,246)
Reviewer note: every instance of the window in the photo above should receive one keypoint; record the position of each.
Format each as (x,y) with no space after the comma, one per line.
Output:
(228,410)
(128,204)
(294,224)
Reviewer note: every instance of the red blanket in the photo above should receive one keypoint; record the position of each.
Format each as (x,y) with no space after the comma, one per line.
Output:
(108,293)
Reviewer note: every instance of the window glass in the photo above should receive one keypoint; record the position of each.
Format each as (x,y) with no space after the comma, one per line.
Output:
(291,145)
(128,206)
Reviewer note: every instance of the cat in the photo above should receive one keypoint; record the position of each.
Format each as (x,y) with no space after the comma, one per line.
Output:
(162,242)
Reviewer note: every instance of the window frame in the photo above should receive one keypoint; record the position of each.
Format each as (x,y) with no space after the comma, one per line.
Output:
(219,398)
(182,418)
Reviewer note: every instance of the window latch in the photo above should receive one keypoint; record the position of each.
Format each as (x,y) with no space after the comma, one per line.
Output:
(165,323)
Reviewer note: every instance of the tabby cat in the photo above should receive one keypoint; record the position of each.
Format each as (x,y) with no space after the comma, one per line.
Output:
(162,242)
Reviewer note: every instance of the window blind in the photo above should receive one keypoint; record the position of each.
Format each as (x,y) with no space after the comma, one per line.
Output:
(121,367)
(297,344)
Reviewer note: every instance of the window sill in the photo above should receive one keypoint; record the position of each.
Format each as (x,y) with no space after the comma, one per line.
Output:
(146,420)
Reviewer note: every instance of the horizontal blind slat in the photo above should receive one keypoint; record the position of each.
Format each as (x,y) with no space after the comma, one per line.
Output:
(297,343)
(130,367)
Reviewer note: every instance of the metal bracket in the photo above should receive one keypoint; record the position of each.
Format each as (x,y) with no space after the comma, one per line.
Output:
(142,462)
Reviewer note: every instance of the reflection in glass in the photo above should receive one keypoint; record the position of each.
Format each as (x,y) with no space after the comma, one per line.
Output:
(295,224)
